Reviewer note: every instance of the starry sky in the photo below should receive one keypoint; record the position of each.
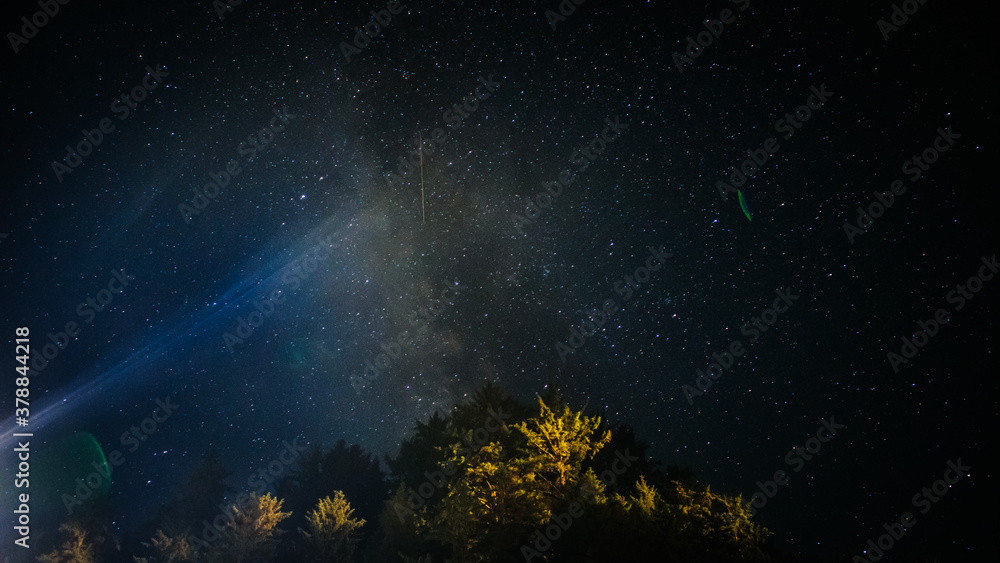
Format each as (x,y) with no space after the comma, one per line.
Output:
(312,227)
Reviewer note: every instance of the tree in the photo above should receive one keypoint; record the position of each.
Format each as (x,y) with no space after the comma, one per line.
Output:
(203,490)
(195,502)
(492,496)
(169,549)
(76,549)
(432,441)
(401,530)
(320,473)
(697,524)
(488,506)
(559,443)
(329,537)
(421,452)
(252,533)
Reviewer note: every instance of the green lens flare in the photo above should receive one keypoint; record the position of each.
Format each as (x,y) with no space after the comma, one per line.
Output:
(743,205)
(71,465)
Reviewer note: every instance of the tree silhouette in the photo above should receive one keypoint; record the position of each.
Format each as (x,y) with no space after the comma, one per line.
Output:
(197,502)
(491,481)
(348,469)
(252,533)
(169,549)
(400,530)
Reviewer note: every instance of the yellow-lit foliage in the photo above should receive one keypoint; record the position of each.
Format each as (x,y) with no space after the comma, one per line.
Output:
(559,443)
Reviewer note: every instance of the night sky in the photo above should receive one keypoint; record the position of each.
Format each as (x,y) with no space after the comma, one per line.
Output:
(316,226)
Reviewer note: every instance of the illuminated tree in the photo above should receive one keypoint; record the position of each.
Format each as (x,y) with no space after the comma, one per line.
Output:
(558,443)
(331,529)
(252,534)
(76,549)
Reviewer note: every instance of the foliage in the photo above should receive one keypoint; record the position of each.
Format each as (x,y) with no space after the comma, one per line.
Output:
(558,444)
(252,534)
(169,549)
(330,530)
(78,547)
(484,483)
(356,474)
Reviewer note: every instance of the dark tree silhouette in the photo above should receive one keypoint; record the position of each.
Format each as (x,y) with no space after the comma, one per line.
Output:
(490,481)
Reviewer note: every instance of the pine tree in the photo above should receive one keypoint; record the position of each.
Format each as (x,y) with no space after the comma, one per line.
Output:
(331,529)
(77,548)
(196,501)
(401,530)
(169,549)
(252,534)
(348,469)
(558,443)
(489,505)
(203,490)
(702,523)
